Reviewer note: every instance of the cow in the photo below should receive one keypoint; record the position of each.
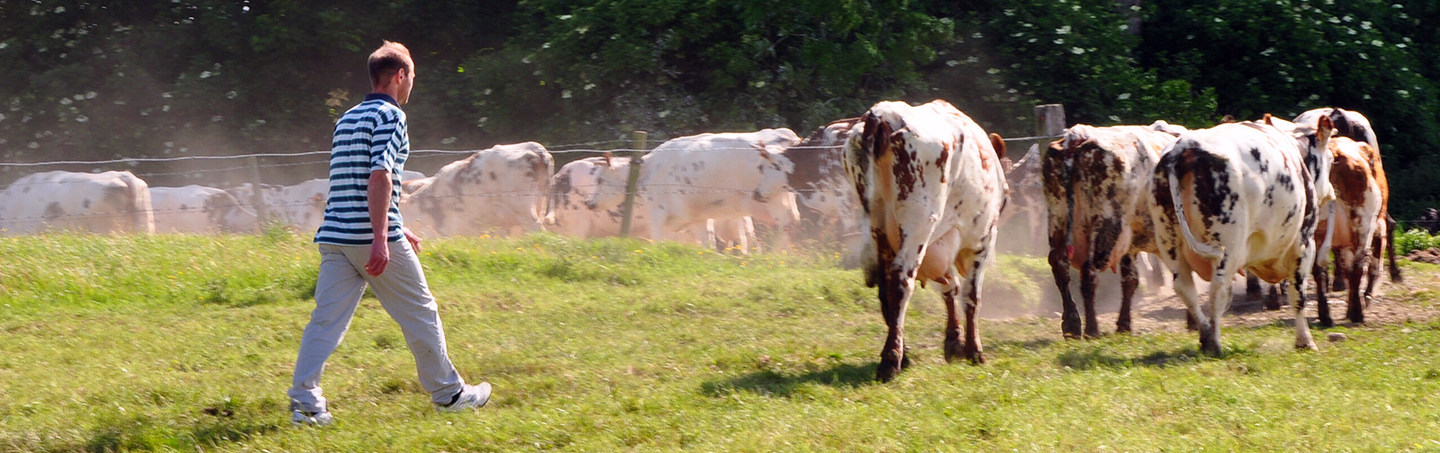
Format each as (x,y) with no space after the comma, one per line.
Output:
(1242,196)
(687,181)
(931,189)
(1095,185)
(821,186)
(199,209)
(300,207)
(503,188)
(576,182)
(1026,194)
(1353,125)
(106,202)
(410,175)
(1351,226)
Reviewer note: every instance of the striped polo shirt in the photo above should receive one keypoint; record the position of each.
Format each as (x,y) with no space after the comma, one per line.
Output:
(370,136)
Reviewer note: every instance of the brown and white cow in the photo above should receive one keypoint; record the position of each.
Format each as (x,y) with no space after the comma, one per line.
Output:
(200,210)
(503,188)
(931,189)
(1351,226)
(575,183)
(300,207)
(107,202)
(820,184)
(1096,181)
(1027,195)
(687,181)
(1242,196)
(1353,125)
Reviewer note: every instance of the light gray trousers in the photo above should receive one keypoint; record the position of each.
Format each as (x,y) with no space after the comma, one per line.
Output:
(406,297)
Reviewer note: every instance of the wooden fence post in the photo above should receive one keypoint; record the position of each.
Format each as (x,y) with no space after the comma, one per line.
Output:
(1049,120)
(628,208)
(257,197)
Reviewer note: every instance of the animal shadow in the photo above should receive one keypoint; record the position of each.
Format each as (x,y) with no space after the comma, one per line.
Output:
(784,385)
(1100,358)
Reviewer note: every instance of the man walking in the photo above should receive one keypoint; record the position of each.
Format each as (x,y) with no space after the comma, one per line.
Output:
(361,244)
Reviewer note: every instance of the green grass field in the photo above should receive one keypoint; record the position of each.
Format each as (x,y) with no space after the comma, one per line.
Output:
(186,343)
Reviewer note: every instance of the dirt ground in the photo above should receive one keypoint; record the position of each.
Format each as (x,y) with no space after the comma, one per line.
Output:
(1414,299)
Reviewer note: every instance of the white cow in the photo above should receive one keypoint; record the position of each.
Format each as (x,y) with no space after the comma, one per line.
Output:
(1242,196)
(687,181)
(108,202)
(578,181)
(931,186)
(501,188)
(300,207)
(199,209)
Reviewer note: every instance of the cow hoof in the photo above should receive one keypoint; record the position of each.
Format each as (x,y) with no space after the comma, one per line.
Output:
(1325,323)
(1306,345)
(975,356)
(905,359)
(1071,328)
(954,349)
(886,371)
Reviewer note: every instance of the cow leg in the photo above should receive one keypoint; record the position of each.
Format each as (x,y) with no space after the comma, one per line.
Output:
(1339,283)
(1220,296)
(970,290)
(1252,286)
(1390,248)
(1060,267)
(1355,262)
(895,289)
(1303,340)
(1273,302)
(1185,288)
(1322,304)
(1087,296)
(953,344)
(1373,268)
(1129,281)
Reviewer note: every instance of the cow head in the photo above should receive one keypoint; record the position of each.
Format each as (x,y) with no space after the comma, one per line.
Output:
(775,171)
(1314,143)
(610,184)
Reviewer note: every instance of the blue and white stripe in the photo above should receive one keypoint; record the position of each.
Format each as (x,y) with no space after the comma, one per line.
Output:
(370,136)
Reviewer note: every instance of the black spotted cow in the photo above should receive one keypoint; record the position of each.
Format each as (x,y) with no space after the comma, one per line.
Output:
(1096,181)
(106,202)
(1242,196)
(500,190)
(931,190)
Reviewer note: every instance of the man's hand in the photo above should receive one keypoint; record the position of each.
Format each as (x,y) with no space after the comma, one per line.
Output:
(379,258)
(414,240)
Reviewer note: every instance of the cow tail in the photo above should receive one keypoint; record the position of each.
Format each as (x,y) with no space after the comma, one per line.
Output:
(142,210)
(1204,249)
(546,169)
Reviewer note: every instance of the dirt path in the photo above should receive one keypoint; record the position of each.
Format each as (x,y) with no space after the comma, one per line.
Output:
(1416,299)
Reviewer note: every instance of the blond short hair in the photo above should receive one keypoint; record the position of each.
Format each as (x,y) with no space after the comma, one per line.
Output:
(389,58)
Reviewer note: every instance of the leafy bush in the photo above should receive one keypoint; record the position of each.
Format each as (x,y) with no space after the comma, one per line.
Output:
(1415,239)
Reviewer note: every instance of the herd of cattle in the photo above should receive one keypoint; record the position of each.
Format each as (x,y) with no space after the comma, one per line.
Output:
(917,193)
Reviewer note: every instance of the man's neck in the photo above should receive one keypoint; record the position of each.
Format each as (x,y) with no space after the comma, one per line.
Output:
(382,96)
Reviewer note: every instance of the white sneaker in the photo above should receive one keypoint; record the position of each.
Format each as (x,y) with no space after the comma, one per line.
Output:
(302,418)
(470,397)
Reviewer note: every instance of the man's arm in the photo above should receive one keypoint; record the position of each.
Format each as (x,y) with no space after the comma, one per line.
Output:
(378,200)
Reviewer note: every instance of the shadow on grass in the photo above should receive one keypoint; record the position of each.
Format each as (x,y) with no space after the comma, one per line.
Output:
(784,385)
(1035,344)
(1099,358)
(141,433)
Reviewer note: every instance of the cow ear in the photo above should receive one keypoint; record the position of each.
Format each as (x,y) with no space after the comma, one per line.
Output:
(607,157)
(1326,128)
(998,143)
(1268,120)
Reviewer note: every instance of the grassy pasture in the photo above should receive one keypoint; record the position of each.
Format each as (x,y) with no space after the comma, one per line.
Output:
(186,343)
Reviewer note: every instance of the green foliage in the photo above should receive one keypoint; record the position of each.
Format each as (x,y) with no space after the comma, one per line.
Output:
(1415,239)
(156,79)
